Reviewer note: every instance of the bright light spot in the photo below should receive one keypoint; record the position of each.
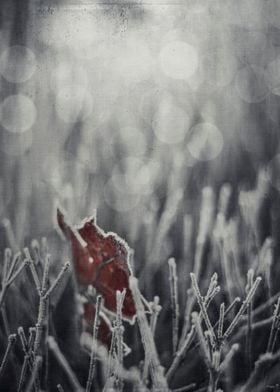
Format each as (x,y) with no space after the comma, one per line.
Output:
(273,76)
(117,194)
(17,64)
(18,113)
(206,142)
(178,60)
(170,123)
(139,174)
(73,103)
(131,179)
(251,84)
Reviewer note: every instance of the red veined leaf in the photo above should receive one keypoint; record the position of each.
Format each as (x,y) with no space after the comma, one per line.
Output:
(100,259)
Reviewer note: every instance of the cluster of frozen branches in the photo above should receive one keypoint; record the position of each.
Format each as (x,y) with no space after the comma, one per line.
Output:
(211,309)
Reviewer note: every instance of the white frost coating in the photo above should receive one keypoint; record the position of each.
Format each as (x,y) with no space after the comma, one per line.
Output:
(159,381)
(104,234)
(101,232)
(79,237)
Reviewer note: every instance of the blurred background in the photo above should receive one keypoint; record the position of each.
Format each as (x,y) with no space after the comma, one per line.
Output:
(133,107)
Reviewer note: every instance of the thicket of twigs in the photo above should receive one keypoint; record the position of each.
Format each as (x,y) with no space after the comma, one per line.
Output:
(215,306)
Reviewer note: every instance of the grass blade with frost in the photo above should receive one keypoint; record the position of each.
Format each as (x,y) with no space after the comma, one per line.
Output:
(159,381)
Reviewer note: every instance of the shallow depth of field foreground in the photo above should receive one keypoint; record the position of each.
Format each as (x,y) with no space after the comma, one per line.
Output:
(139,196)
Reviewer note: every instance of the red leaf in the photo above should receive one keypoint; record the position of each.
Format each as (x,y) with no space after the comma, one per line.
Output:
(100,259)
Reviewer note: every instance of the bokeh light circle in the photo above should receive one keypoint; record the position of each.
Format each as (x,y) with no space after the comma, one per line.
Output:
(206,142)
(140,174)
(17,113)
(17,64)
(178,60)
(131,180)
(117,194)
